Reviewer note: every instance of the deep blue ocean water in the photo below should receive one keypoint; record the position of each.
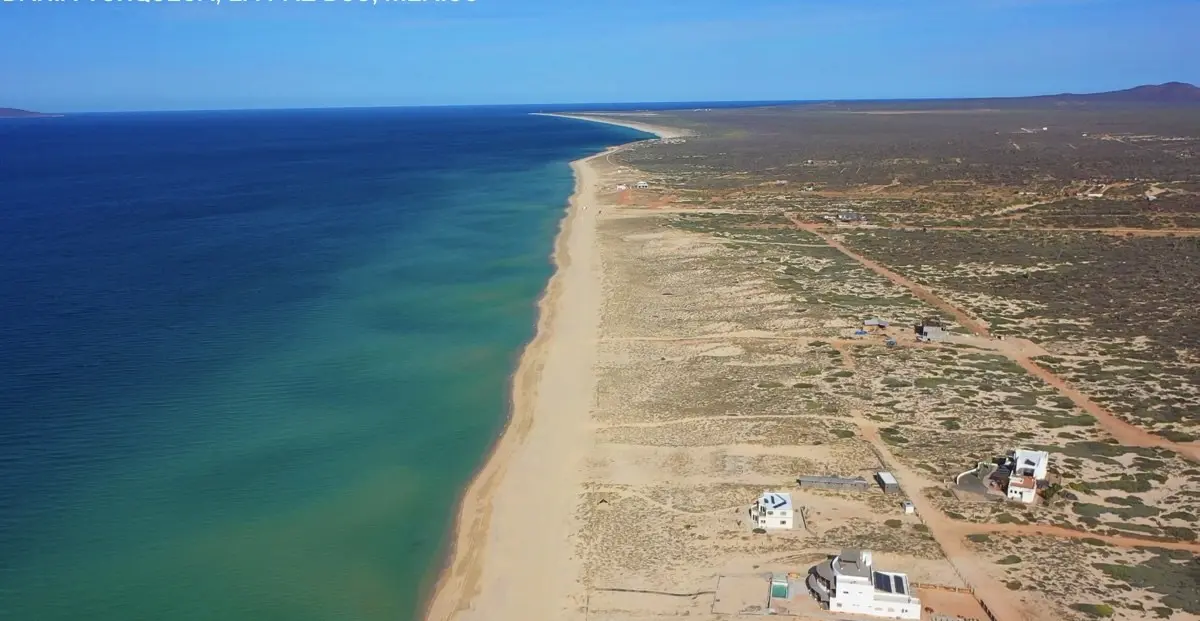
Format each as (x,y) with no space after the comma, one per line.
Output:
(248,360)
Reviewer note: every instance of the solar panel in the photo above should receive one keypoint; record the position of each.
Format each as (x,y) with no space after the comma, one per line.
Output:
(899,580)
(883,582)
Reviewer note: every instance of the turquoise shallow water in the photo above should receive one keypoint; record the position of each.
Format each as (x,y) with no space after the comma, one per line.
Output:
(252,358)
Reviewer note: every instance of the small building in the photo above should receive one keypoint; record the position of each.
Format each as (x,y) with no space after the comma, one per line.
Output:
(875,323)
(929,334)
(622,187)
(1026,463)
(849,216)
(857,484)
(887,482)
(908,507)
(773,511)
(1022,489)
(642,185)
(849,583)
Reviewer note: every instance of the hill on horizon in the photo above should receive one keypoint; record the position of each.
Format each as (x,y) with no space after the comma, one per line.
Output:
(19,113)
(1169,92)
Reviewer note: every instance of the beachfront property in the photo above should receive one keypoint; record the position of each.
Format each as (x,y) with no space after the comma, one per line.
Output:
(773,510)
(849,583)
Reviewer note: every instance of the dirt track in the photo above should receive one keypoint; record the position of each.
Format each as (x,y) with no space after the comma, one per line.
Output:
(1106,231)
(1125,433)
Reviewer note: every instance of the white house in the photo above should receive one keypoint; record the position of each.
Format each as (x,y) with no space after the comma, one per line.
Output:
(773,510)
(1022,489)
(1030,464)
(848,583)
(1026,469)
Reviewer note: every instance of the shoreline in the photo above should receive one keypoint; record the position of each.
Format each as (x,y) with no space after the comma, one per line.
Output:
(568,310)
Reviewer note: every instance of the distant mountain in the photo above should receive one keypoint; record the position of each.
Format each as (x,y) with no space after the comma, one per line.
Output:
(1171,92)
(18,113)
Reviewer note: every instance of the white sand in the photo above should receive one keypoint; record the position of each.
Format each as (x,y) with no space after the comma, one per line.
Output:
(514,557)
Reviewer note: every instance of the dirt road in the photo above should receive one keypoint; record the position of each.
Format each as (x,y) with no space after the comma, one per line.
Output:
(974,325)
(1107,231)
(1125,433)
(947,533)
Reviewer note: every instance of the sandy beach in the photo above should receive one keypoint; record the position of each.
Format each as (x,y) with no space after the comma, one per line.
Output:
(514,555)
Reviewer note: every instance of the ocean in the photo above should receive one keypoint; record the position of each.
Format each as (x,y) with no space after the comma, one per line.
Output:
(250,359)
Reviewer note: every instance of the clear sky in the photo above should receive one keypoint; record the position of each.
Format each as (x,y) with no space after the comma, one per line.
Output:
(95,55)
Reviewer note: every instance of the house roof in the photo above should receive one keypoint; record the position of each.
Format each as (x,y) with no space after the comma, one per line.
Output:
(851,563)
(776,501)
(834,480)
(1023,458)
(1022,483)
(887,478)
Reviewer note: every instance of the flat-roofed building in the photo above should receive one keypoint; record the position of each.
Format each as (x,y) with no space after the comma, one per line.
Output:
(848,583)
(773,510)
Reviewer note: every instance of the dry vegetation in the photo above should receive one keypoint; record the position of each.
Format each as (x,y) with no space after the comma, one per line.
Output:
(1089,578)
(731,366)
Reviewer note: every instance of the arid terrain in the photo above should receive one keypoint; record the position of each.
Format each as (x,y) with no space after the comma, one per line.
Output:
(1059,250)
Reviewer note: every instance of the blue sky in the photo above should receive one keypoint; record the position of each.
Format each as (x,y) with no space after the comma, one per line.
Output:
(98,56)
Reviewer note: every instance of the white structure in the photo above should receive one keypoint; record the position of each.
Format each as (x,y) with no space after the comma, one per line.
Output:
(909,507)
(642,185)
(773,510)
(848,583)
(622,187)
(1026,469)
(1022,489)
(1030,464)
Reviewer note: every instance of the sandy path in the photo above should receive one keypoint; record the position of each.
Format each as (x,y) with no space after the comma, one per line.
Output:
(1124,432)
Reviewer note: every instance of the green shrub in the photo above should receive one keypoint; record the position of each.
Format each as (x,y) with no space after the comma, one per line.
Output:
(1175,532)
(1094,610)
(1011,559)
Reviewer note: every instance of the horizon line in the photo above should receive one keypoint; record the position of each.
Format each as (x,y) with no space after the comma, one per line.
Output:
(729,102)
